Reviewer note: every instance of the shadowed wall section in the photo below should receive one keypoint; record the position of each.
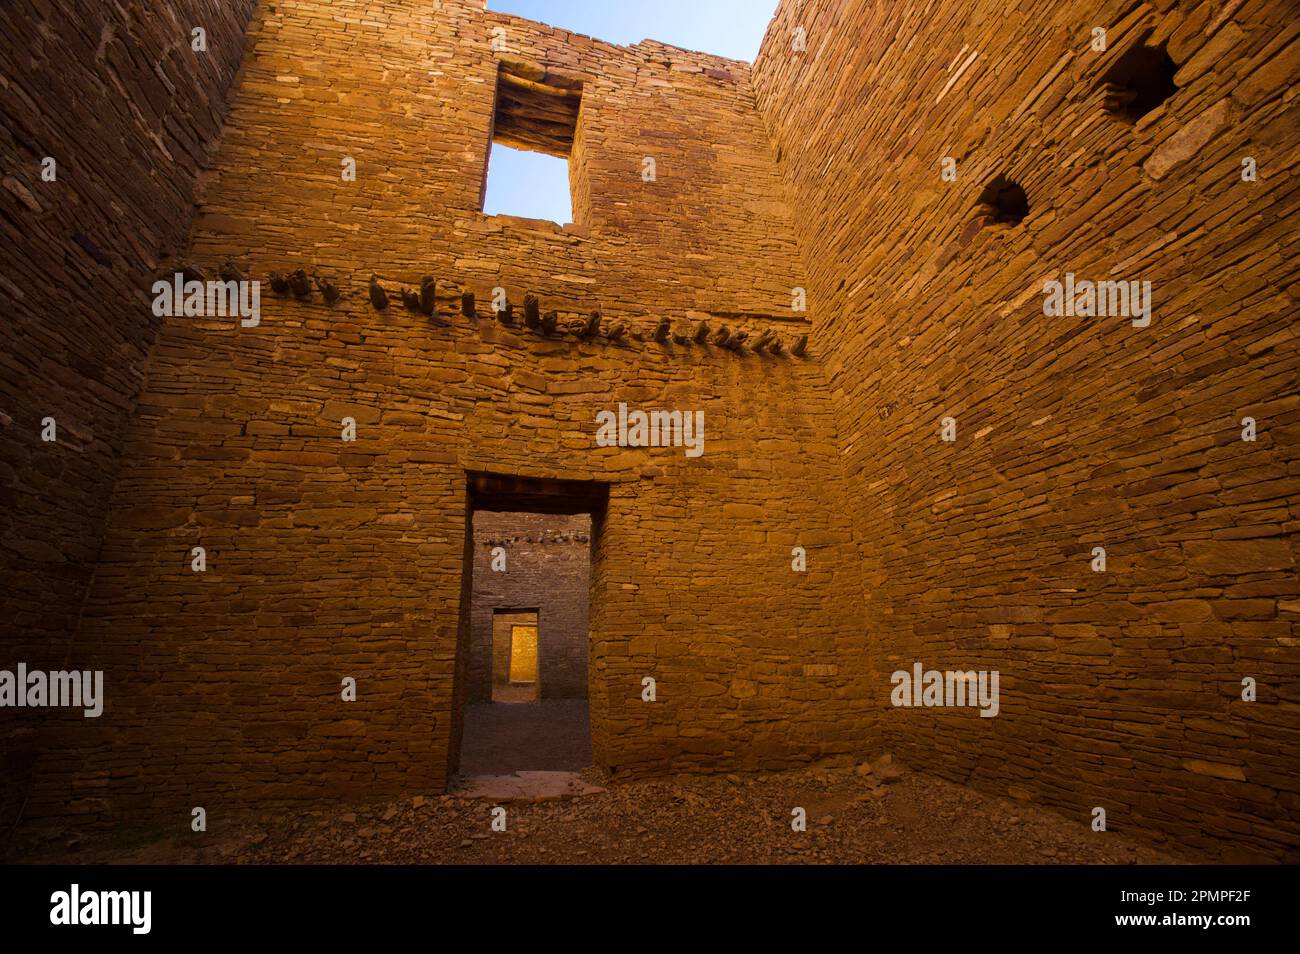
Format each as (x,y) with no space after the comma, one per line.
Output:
(115,95)
(1120,689)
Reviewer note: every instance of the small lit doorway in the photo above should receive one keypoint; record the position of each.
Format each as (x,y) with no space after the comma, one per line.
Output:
(515,666)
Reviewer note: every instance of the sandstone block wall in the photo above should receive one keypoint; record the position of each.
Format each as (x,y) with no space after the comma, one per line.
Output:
(820,168)
(547,569)
(128,111)
(330,559)
(1122,688)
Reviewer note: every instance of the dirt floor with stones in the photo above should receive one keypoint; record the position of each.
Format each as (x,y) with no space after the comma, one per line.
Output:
(864,815)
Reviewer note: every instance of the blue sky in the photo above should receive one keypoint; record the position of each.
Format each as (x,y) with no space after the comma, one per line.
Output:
(731,28)
(531,184)
(537,186)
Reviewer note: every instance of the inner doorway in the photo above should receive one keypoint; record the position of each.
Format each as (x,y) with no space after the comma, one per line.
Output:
(523,652)
(514,656)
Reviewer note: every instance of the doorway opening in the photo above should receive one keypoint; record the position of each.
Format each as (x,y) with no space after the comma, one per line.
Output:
(514,656)
(521,696)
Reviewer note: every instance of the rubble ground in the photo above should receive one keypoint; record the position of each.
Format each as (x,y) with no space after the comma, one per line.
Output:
(876,813)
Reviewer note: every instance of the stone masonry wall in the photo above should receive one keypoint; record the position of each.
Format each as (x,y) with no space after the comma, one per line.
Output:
(1120,689)
(329,559)
(128,111)
(547,569)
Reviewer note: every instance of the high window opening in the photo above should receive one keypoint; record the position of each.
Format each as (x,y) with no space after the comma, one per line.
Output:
(533,130)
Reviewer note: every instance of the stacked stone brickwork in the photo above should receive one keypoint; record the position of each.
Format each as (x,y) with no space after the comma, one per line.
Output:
(856,159)
(547,569)
(115,95)
(329,559)
(1121,689)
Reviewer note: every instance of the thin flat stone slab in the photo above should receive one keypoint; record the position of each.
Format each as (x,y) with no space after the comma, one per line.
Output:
(524,787)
